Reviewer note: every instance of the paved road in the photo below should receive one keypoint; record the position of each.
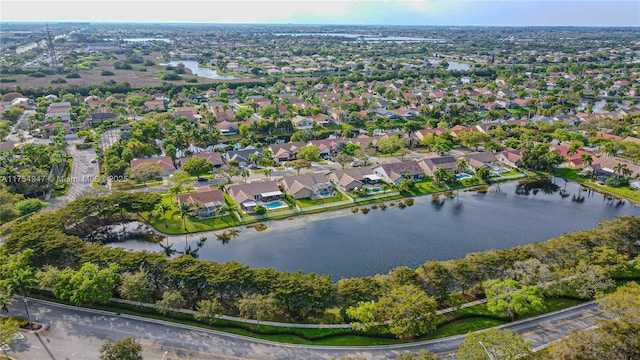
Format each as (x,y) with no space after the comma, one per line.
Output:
(75,333)
(83,173)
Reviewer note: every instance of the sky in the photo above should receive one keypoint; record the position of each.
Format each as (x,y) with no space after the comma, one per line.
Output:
(346,12)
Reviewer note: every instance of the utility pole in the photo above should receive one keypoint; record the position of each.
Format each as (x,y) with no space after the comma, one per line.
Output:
(52,51)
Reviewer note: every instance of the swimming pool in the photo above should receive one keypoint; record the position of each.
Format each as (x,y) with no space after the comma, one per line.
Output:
(462,176)
(275,205)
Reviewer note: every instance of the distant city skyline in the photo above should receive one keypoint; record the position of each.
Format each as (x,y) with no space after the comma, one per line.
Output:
(333,12)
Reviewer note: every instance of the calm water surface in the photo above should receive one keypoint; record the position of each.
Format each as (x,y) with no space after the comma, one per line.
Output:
(200,71)
(343,244)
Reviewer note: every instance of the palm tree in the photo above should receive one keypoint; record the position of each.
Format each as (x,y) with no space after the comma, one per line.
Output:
(175,190)
(619,168)
(440,175)
(245,174)
(462,165)
(267,172)
(163,209)
(626,172)
(21,281)
(185,210)
(586,159)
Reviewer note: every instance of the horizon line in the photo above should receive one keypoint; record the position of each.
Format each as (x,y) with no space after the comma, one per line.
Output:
(307,24)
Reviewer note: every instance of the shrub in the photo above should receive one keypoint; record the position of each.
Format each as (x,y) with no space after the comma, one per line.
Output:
(73,76)
(106,73)
(170,77)
(58,81)
(260,210)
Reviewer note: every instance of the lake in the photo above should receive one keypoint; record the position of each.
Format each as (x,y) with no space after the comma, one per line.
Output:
(367,37)
(343,244)
(201,71)
(453,65)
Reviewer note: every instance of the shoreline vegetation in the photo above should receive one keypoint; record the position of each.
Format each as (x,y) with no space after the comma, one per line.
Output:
(562,267)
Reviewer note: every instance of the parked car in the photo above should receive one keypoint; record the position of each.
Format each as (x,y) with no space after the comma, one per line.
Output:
(201,179)
(93,161)
(357,163)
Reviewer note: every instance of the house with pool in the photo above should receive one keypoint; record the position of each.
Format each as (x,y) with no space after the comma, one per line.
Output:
(250,195)
(356,178)
(430,165)
(207,200)
(312,186)
(397,171)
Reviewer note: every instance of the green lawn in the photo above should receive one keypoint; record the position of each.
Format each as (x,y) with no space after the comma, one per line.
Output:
(625,191)
(424,187)
(303,203)
(473,181)
(175,225)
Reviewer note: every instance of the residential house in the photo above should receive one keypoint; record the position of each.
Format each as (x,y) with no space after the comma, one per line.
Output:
(60,111)
(323,120)
(481,159)
(100,115)
(154,105)
(406,113)
(250,195)
(7,146)
(338,116)
(165,162)
(215,158)
(188,112)
(423,133)
(605,167)
(327,147)
(302,122)
(510,157)
(573,160)
(242,156)
(207,201)
(313,186)
(286,151)
(398,171)
(223,115)
(355,178)
(367,142)
(227,128)
(430,165)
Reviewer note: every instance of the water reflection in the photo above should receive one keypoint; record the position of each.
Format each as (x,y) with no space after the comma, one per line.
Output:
(343,244)
(534,186)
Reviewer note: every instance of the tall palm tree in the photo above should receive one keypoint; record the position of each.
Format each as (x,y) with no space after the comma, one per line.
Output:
(245,174)
(586,159)
(20,283)
(462,165)
(185,210)
(626,172)
(440,175)
(619,168)
(163,209)
(175,190)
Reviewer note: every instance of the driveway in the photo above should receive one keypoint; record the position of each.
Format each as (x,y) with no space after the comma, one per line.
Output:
(76,333)
(83,173)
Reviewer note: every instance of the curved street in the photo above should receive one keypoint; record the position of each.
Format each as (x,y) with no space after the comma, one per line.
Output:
(77,333)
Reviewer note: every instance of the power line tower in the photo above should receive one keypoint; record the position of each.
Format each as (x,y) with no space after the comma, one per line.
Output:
(52,50)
